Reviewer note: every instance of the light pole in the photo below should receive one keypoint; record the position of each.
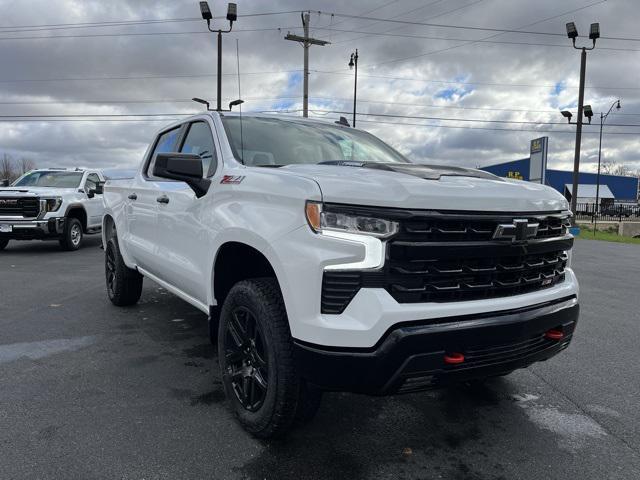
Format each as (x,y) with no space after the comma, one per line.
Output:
(572,33)
(232,16)
(588,112)
(603,118)
(354,63)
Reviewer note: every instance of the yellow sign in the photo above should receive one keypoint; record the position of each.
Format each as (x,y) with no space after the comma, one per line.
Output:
(517,175)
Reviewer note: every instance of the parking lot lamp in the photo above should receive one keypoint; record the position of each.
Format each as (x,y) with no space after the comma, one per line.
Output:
(572,33)
(603,118)
(353,62)
(232,16)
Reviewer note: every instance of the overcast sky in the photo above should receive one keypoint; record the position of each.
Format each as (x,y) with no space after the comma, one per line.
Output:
(437,73)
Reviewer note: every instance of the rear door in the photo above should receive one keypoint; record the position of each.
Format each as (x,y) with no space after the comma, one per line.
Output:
(142,205)
(182,241)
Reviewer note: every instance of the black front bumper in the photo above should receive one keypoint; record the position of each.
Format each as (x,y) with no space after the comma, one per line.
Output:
(411,356)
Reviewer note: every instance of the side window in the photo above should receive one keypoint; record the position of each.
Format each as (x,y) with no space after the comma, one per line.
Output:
(92,182)
(200,142)
(166,143)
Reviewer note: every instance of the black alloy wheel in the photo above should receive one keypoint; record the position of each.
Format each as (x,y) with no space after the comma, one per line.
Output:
(110,264)
(246,358)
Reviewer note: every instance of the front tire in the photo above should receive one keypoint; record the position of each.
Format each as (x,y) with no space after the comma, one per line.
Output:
(3,243)
(255,352)
(72,235)
(124,285)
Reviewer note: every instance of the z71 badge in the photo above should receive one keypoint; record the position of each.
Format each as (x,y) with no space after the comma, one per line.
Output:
(232,179)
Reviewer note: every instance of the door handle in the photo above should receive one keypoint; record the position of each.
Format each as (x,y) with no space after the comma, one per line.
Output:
(162,199)
(132,196)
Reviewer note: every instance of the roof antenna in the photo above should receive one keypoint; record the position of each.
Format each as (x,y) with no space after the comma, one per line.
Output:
(239,104)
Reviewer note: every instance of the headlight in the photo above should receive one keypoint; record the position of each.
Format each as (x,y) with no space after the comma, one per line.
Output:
(51,204)
(321,219)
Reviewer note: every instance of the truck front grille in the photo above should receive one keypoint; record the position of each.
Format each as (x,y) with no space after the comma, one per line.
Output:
(27,207)
(438,257)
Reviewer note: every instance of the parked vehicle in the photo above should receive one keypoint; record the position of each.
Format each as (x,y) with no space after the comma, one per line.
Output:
(52,203)
(327,261)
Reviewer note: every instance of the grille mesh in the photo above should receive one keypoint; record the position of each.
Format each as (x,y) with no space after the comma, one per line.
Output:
(28,207)
(448,258)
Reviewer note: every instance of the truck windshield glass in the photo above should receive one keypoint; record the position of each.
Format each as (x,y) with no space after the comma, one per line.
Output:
(50,179)
(275,142)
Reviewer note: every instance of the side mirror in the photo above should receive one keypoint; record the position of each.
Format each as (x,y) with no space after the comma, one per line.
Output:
(98,190)
(4,183)
(184,167)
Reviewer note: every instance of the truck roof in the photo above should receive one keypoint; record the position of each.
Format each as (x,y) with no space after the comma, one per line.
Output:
(64,169)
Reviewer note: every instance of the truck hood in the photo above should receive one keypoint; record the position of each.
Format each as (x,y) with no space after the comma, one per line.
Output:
(35,191)
(428,187)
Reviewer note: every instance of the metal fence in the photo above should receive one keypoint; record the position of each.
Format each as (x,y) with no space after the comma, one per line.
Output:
(608,213)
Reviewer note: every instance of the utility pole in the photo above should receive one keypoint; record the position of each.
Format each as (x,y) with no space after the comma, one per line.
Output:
(306,42)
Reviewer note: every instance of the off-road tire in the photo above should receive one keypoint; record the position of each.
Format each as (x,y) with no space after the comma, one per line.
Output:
(71,235)
(3,243)
(261,299)
(124,285)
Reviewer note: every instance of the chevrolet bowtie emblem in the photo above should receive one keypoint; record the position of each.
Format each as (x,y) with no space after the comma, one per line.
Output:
(518,231)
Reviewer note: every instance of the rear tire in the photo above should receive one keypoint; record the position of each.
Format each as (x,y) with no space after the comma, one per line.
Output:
(3,243)
(72,235)
(255,351)
(124,285)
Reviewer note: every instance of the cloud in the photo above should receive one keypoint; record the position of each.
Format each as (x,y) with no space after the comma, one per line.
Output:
(467,82)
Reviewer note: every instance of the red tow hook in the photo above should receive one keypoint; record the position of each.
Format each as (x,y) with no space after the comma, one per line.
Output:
(454,358)
(554,334)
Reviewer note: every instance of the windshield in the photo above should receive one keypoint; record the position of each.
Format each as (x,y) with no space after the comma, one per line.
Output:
(275,142)
(50,179)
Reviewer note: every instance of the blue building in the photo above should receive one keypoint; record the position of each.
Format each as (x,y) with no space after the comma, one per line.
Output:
(624,189)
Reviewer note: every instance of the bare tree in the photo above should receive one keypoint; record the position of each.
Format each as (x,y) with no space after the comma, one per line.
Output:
(26,165)
(7,171)
(611,167)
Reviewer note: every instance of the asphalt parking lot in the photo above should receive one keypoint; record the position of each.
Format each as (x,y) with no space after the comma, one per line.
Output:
(88,390)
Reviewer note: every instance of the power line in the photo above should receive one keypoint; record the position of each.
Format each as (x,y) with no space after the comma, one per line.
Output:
(453,82)
(428,18)
(476,120)
(338,99)
(505,42)
(141,77)
(121,23)
(489,128)
(383,115)
(464,27)
(321,72)
(140,34)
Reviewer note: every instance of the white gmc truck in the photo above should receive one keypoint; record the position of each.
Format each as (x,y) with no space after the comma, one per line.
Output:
(328,261)
(52,203)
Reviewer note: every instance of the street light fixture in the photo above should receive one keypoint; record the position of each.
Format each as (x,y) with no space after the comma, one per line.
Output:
(567,114)
(603,118)
(594,34)
(234,103)
(204,102)
(588,112)
(353,62)
(232,16)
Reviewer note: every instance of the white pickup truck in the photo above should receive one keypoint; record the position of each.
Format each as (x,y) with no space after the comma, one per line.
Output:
(328,261)
(52,203)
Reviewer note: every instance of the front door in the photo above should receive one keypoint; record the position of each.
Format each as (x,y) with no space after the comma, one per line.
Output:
(94,204)
(183,243)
